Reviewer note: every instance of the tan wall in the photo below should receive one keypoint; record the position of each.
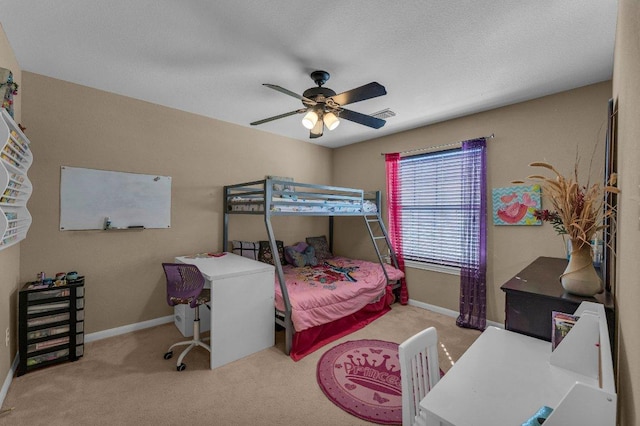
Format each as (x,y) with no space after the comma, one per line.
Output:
(10,257)
(77,126)
(626,89)
(546,129)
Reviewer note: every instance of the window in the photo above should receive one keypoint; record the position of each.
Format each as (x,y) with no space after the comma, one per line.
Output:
(436,213)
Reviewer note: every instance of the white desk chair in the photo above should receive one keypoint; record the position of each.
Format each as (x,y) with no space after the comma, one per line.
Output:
(419,372)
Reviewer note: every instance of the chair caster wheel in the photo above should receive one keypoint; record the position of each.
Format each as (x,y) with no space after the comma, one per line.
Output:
(168,355)
(181,367)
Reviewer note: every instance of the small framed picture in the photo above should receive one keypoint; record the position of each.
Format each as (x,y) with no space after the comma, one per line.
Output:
(515,205)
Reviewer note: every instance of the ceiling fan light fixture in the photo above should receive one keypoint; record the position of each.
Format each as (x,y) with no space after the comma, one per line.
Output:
(310,119)
(323,108)
(331,121)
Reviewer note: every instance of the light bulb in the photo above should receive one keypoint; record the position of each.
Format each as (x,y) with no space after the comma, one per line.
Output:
(331,121)
(310,119)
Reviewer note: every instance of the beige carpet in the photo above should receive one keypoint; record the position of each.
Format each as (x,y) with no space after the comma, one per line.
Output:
(124,380)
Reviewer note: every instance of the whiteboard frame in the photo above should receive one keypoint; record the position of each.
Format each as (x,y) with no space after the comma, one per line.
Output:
(130,200)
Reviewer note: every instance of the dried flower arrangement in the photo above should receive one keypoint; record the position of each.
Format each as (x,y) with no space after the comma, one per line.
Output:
(578,210)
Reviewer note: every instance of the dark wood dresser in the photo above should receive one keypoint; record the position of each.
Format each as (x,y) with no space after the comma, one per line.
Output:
(536,291)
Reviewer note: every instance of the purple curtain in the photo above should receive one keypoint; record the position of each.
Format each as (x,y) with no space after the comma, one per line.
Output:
(473,273)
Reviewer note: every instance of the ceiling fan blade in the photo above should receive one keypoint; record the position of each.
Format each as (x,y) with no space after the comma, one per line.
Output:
(276,117)
(317,130)
(290,93)
(363,119)
(368,91)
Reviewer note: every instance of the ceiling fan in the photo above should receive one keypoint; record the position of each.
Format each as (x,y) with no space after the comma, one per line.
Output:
(324,108)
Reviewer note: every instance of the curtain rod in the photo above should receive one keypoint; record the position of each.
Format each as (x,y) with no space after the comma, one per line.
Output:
(491,136)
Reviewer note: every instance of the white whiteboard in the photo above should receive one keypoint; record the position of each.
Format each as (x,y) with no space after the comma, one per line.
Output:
(89,196)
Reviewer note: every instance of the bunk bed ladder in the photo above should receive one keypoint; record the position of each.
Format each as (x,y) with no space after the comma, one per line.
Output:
(282,318)
(379,235)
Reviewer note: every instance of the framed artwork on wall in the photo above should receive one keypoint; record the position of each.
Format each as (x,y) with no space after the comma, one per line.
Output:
(515,205)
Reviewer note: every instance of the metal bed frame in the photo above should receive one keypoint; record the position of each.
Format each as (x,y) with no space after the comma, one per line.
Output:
(262,194)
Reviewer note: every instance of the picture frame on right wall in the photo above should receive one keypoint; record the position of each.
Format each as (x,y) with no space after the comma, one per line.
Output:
(608,267)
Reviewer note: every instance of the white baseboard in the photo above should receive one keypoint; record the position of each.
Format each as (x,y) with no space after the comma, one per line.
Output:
(99,335)
(8,379)
(445,311)
(92,337)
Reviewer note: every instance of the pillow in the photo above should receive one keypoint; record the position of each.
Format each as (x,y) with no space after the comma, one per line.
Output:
(300,255)
(289,193)
(293,254)
(321,247)
(246,249)
(265,255)
(294,257)
(279,186)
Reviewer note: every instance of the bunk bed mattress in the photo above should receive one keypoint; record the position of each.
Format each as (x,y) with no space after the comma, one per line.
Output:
(335,288)
(300,205)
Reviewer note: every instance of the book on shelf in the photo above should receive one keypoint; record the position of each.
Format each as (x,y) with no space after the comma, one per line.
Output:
(561,324)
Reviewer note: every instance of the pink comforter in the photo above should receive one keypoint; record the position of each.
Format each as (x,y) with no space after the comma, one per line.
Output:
(335,288)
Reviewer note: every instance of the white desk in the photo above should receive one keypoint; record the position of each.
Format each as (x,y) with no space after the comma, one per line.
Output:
(502,379)
(242,305)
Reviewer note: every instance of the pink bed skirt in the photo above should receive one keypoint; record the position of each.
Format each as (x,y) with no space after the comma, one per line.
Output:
(309,340)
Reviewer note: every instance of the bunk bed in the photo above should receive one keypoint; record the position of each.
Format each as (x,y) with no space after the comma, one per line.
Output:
(306,305)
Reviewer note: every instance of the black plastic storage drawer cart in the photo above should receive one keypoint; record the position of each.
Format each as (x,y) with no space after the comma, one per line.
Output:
(51,324)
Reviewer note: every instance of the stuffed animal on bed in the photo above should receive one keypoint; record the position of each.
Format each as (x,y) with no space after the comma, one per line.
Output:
(301,254)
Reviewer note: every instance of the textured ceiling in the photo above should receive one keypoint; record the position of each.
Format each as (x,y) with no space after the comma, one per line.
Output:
(437,59)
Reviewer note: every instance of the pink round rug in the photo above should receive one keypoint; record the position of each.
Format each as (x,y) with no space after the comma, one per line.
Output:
(363,378)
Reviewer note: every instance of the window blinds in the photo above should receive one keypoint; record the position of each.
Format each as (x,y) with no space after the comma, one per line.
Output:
(433,214)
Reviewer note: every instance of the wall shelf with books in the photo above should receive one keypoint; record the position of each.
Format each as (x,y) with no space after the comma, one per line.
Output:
(15,187)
